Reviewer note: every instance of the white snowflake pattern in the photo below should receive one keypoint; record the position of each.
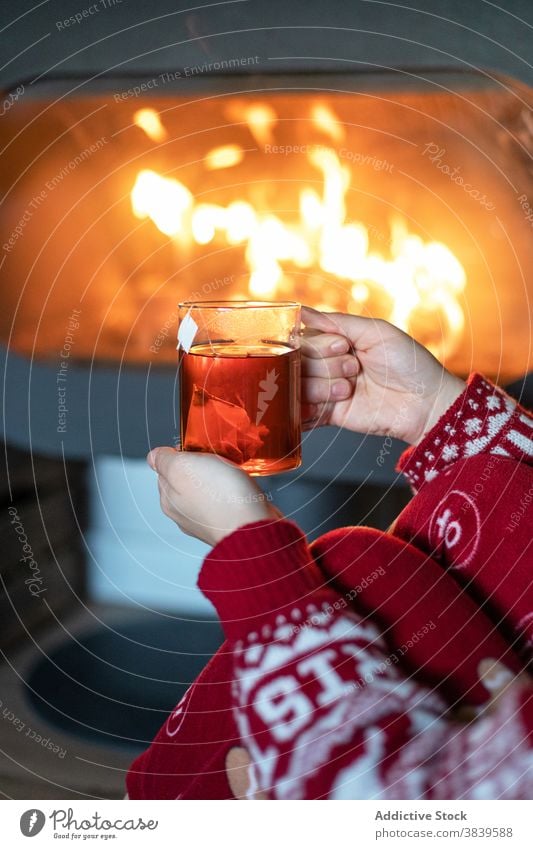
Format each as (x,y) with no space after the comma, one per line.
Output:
(473,426)
(479,422)
(450,452)
(284,632)
(493,402)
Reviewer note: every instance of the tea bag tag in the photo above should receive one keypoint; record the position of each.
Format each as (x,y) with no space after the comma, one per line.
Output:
(186,333)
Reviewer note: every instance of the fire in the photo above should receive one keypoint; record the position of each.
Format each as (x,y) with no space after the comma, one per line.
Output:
(224,157)
(417,285)
(260,118)
(149,121)
(325,119)
(162,199)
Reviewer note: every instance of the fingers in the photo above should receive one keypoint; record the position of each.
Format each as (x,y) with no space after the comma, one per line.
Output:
(165,499)
(327,356)
(331,367)
(314,415)
(497,679)
(318,345)
(319,320)
(318,390)
(180,467)
(160,459)
(357,329)
(329,370)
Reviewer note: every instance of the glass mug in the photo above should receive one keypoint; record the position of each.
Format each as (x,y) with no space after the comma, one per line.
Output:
(239,365)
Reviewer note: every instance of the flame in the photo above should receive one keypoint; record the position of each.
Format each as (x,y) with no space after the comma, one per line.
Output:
(325,119)
(224,157)
(162,199)
(149,121)
(417,286)
(240,222)
(206,218)
(260,118)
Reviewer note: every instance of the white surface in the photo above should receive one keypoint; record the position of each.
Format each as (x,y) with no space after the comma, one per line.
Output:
(136,555)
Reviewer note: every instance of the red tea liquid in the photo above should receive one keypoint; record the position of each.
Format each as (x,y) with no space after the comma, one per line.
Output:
(242,403)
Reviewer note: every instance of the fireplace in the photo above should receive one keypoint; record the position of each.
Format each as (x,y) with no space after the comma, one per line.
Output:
(386,194)
(347,194)
(330,166)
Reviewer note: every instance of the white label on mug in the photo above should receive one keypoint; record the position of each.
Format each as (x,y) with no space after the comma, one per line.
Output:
(186,333)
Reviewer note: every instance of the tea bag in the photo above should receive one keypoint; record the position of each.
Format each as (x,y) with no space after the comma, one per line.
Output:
(222,427)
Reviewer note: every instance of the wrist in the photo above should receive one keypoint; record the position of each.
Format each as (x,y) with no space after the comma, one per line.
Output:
(256,512)
(261,571)
(449,390)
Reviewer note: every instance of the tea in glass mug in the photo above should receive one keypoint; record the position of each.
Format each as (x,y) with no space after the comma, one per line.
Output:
(239,365)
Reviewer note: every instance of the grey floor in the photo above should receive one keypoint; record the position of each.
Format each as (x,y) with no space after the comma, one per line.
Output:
(29,767)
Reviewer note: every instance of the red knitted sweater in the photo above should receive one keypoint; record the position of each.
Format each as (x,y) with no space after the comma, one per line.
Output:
(346,661)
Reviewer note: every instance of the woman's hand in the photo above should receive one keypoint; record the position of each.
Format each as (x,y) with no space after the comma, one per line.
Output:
(206,496)
(366,375)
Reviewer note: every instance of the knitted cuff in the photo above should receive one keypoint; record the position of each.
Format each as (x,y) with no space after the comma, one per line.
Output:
(258,571)
(482,419)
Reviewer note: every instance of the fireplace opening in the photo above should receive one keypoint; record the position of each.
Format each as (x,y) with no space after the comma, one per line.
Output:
(398,203)
(229,150)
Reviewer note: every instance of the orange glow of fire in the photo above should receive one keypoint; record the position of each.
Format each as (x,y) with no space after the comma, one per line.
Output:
(224,157)
(325,119)
(162,199)
(418,282)
(260,119)
(149,121)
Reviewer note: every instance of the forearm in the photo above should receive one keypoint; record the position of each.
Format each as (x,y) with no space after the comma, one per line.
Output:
(321,699)
(310,681)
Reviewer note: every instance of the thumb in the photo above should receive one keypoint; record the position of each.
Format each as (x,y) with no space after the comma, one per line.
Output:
(353,327)
(319,320)
(159,459)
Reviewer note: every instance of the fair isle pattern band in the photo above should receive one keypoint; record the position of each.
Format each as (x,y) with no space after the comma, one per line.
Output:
(483,419)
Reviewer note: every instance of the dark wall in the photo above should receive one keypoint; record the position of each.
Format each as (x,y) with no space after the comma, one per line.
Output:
(130,35)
